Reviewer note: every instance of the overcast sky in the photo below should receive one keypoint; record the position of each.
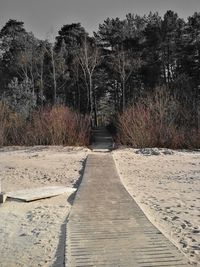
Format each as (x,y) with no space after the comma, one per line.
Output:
(40,16)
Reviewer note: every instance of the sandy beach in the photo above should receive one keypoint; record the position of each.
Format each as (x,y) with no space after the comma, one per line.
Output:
(31,233)
(166,185)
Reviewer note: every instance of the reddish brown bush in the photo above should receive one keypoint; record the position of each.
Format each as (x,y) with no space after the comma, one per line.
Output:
(154,122)
(11,126)
(56,125)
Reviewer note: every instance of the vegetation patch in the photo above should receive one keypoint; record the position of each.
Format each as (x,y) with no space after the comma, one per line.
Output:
(56,125)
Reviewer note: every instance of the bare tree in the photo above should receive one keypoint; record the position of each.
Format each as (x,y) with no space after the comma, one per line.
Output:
(54,73)
(40,69)
(59,67)
(26,59)
(51,52)
(89,58)
(124,65)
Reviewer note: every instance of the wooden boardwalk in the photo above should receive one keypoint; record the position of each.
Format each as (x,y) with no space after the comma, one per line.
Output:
(102,141)
(107,228)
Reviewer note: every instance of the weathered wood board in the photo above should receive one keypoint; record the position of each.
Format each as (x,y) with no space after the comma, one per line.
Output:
(40,192)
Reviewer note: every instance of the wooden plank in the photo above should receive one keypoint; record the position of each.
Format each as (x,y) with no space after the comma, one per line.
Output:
(40,193)
(106,227)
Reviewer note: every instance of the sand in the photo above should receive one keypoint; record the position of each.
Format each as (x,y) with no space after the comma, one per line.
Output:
(166,185)
(167,188)
(32,234)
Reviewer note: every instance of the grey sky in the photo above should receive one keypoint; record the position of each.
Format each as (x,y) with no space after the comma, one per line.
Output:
(40,16)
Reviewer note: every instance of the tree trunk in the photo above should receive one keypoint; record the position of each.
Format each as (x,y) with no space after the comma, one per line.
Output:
(79,97)
(54,76)
(123,96)
(118,107)
(95,111)
(91,97)
(32,78)
(41,82)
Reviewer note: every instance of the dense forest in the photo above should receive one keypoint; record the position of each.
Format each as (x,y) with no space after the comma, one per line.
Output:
(128,70)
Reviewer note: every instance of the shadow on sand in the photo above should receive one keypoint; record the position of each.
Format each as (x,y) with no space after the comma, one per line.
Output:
(60,252)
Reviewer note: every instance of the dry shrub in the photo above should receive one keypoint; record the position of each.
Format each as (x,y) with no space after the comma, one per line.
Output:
(56,125)
(3,122)
(11,126)
(135,127)
(192,139)
(157,121)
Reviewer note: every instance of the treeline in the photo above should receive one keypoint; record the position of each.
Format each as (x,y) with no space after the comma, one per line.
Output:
(125,61)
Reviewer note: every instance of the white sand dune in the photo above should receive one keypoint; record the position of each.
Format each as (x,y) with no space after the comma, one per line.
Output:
(166,185)
(30,233)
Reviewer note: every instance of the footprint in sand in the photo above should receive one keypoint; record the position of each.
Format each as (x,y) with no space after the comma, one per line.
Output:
(188,223)
(196,231)
(183,225)
(175,218)
(184,243)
